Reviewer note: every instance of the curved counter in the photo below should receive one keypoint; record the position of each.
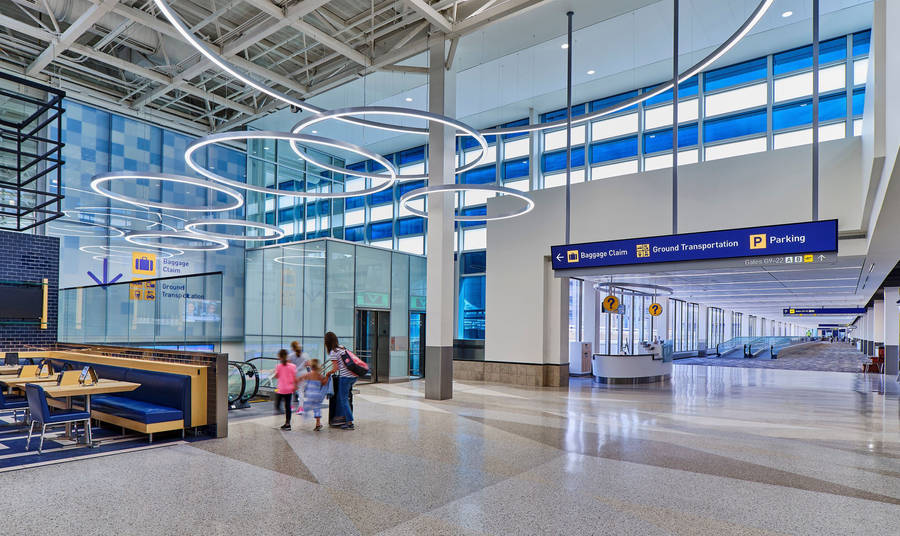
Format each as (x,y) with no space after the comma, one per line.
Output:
(629,369)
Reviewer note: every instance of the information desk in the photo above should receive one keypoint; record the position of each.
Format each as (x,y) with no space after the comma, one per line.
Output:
(99,388)
(630,369)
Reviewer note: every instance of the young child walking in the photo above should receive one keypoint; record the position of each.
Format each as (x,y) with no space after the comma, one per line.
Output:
(286,373)
(314,389)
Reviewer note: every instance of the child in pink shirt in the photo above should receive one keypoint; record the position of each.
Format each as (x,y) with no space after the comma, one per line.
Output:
(286,373)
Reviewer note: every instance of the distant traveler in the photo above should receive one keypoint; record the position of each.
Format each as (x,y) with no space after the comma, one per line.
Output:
(300,359)
(315,388)
(286,373)
(343,413)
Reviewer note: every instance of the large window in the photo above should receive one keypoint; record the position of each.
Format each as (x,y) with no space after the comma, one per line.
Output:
(715,327)
(576,309)
(684,325)
(625,330)
(736,330)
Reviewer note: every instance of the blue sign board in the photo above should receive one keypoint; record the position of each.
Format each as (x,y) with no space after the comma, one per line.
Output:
(817,311)
(788,239)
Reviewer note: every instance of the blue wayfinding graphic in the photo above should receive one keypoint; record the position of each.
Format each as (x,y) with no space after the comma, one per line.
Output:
(816,311)
(105,281)
(787,239)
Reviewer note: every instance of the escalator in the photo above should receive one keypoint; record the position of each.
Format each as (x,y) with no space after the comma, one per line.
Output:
(243,384)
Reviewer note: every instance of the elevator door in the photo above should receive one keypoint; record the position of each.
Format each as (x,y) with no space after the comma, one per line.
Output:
(373,343)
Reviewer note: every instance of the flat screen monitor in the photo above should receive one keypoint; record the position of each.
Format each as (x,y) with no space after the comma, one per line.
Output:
(21,301)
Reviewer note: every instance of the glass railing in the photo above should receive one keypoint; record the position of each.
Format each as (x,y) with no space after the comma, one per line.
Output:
(732,345)
(772,344)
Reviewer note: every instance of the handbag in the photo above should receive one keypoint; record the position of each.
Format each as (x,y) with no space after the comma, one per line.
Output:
(354,364)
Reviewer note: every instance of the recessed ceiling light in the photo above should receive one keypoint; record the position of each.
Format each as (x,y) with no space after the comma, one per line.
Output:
(315,131)
(565,45)
(408,99)
(592,72)
(786,14)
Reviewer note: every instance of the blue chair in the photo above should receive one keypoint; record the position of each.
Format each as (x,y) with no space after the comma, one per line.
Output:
(40,413)
(14,403)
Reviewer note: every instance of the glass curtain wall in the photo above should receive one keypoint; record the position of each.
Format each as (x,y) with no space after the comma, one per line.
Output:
(576,309)
(736,318)
(684,325)
(715,326)
(299,291)
(622,332)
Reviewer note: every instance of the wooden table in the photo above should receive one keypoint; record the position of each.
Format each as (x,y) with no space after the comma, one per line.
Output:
(9,369)
(99,388)
(13,381)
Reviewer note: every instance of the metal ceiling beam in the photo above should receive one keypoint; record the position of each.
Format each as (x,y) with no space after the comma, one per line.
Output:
(430,14)
(72,33)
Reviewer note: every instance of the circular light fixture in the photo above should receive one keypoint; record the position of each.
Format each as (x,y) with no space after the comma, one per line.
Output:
(116,232)
(99,211)
(444,188)
(98,180)
(112,251)
(592,72)
(408,99)
(393,111)
(274,232)
(213,244)
(787,14)
(292,137)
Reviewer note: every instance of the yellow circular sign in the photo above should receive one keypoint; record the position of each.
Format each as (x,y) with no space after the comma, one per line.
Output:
(610,304)
(655,309)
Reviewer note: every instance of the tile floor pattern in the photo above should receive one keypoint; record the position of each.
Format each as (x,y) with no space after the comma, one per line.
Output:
(718,451)
(835,357)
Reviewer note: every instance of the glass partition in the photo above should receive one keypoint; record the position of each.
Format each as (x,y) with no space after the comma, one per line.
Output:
(170,312)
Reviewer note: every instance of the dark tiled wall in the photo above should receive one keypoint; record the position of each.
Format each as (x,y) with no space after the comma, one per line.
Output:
(25,257)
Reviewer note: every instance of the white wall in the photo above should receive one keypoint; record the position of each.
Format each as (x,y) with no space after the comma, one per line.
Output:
(759,189)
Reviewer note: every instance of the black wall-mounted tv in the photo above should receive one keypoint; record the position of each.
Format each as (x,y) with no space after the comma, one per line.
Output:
(25,302)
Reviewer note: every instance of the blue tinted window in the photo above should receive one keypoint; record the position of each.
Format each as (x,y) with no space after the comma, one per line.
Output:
(355,234)
(480,175)
(800,113)
(859,101)
(741,73)
(410,226)
(409,156)
(613,150)
(515,168)
(861,42)
(381,230)
(477,211)
(801,58)
(354,202)
(473,263)
(404,187)
(661,140)
(359,166)
(285,215)
(270,218)
(471,307)
(687,88)
(468,142)
(735,126)
(602,104)
(384,196)
(518,123)
(557,160)
(556,115)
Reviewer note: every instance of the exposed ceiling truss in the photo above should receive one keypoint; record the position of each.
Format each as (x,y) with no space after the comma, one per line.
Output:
(125,55)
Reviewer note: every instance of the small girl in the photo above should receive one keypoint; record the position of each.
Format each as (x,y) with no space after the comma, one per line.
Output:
(286,373)
(314,389)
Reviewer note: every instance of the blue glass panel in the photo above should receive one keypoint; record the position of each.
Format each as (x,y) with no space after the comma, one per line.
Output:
(482,175)
(687,88)
(801,58)
(800,113)
(473,263)
(515,168)
(518,123)
(735,74)
(556,115)
(471,307)
(270,218)
(409,156)
(381,230)
(410,226)
(286,215)
(404,187)
(354,202)
(601,104)
(355,234)
(859,101)
(734,126)
(861,43)
(557,160)
(476,211)
(311,210)
(661,140)
(384,196)
(468,142)
(359,166)
(614,149)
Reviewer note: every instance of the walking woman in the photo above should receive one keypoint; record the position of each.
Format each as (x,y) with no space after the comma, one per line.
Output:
(346,379)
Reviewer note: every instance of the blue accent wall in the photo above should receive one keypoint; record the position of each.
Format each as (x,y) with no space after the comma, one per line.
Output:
(26,257)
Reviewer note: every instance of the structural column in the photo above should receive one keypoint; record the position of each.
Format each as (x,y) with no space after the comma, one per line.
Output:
(878,327)
(439,309)
(870,331)
(891,331)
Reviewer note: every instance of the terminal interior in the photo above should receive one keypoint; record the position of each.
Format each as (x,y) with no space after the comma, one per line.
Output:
(548,321)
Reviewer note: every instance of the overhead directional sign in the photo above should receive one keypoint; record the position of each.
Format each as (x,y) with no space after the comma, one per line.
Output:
(822,311)
(801,242)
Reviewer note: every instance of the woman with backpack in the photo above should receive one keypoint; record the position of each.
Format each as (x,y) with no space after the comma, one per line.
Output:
(346,378)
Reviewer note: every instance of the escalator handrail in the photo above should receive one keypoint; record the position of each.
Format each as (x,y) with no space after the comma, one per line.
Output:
(255,372)
(240,395)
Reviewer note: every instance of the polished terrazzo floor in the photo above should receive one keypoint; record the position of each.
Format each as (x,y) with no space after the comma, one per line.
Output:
(718,451)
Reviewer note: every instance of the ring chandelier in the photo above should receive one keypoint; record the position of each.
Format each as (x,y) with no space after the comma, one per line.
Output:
(349,115)
(212,244)
(112,251)
(116,232)
(274,232)
(105,212)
